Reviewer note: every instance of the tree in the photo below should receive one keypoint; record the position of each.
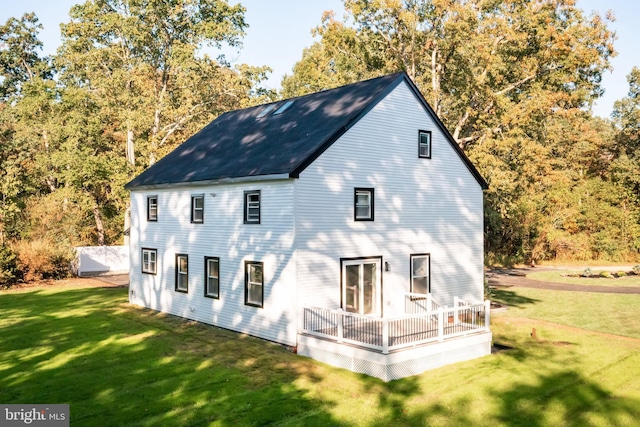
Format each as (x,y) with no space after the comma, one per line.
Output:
(473,60)
(509,79)
(153,88)
(23,72)
(19,58)
(156,84)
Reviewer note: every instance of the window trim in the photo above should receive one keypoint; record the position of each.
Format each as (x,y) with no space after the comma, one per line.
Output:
(149,217)
(206,277)
(246,284)
(411,276)
(155,264)
(186,288)
(248,193)
(371,192)
(193,208)
(420,133)
(377,259)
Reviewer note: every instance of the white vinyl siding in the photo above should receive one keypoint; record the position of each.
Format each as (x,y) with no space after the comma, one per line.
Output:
(223,235)
(420,207)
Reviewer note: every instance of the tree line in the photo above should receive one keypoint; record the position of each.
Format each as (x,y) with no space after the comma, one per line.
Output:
(513,80)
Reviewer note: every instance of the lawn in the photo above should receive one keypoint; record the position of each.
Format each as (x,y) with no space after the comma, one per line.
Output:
(561,276)
(116,364)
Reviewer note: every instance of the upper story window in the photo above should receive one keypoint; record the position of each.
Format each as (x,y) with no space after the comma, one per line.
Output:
(212,277)
(197,208)
(182,273)
(420,272)
(424,144)
(254,283)
(363,204)
(152,208)
(149,260)
(252,207)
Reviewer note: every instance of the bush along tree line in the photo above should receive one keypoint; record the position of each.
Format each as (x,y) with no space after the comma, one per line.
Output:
(514,82)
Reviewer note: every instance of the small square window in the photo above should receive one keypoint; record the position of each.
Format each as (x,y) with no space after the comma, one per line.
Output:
(197,209)
(212,277)
(152,208)
(363,204)
(252,207)
(253,283)
(149,260)
(420,273)
(424,144)
(182,273)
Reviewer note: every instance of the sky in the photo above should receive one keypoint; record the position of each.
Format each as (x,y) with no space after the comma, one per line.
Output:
(280,29)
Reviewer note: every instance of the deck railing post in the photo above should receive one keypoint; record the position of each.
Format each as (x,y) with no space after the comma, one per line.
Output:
(340,327)
(429,303)
(440,324)
(487,314)
(456,301)
(385,336)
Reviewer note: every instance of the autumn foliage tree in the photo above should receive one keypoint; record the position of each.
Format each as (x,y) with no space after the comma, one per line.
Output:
(131,80)
(514,82)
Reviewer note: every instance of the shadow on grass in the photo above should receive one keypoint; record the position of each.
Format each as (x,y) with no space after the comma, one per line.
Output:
(119,365)
(511,298)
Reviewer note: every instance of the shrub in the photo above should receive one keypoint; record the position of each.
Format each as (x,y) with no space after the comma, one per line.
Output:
(9,272)
(636,269)
(621,273)
(606,274)
(587,272)
(43,259)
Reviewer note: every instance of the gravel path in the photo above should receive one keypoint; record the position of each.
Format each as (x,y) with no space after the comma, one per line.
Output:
(517,277)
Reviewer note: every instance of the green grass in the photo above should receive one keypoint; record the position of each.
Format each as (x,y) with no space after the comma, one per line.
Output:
(556,276)
(119,365)
(616,314)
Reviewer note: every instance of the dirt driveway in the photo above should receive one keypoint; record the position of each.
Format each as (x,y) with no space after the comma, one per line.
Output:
(517,277)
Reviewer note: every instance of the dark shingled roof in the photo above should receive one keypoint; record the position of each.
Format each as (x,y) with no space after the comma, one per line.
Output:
(238,144)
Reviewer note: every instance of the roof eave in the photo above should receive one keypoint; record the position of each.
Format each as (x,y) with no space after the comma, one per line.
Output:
(220,181)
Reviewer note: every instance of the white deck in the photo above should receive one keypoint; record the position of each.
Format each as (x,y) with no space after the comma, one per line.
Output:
(397,364)
(393,348)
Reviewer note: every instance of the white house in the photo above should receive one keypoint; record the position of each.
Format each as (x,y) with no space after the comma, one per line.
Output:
(342,223)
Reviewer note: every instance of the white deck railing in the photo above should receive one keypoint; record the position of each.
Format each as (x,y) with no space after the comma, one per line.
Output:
(386,334)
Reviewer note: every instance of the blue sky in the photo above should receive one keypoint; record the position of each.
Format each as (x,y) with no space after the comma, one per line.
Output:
(280,29)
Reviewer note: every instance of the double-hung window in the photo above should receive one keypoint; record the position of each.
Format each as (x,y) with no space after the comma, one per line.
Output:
(212,277)
(149,260)
(252,207)
(420,272)
(152,208)
(182,273)
(363,204)
(253,283)
(424,144)
(197,208)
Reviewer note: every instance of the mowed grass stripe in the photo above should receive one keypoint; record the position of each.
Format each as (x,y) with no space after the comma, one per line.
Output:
(121,365)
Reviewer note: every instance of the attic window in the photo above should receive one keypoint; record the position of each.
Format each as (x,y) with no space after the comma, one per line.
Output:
(266,111)
(284,108)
